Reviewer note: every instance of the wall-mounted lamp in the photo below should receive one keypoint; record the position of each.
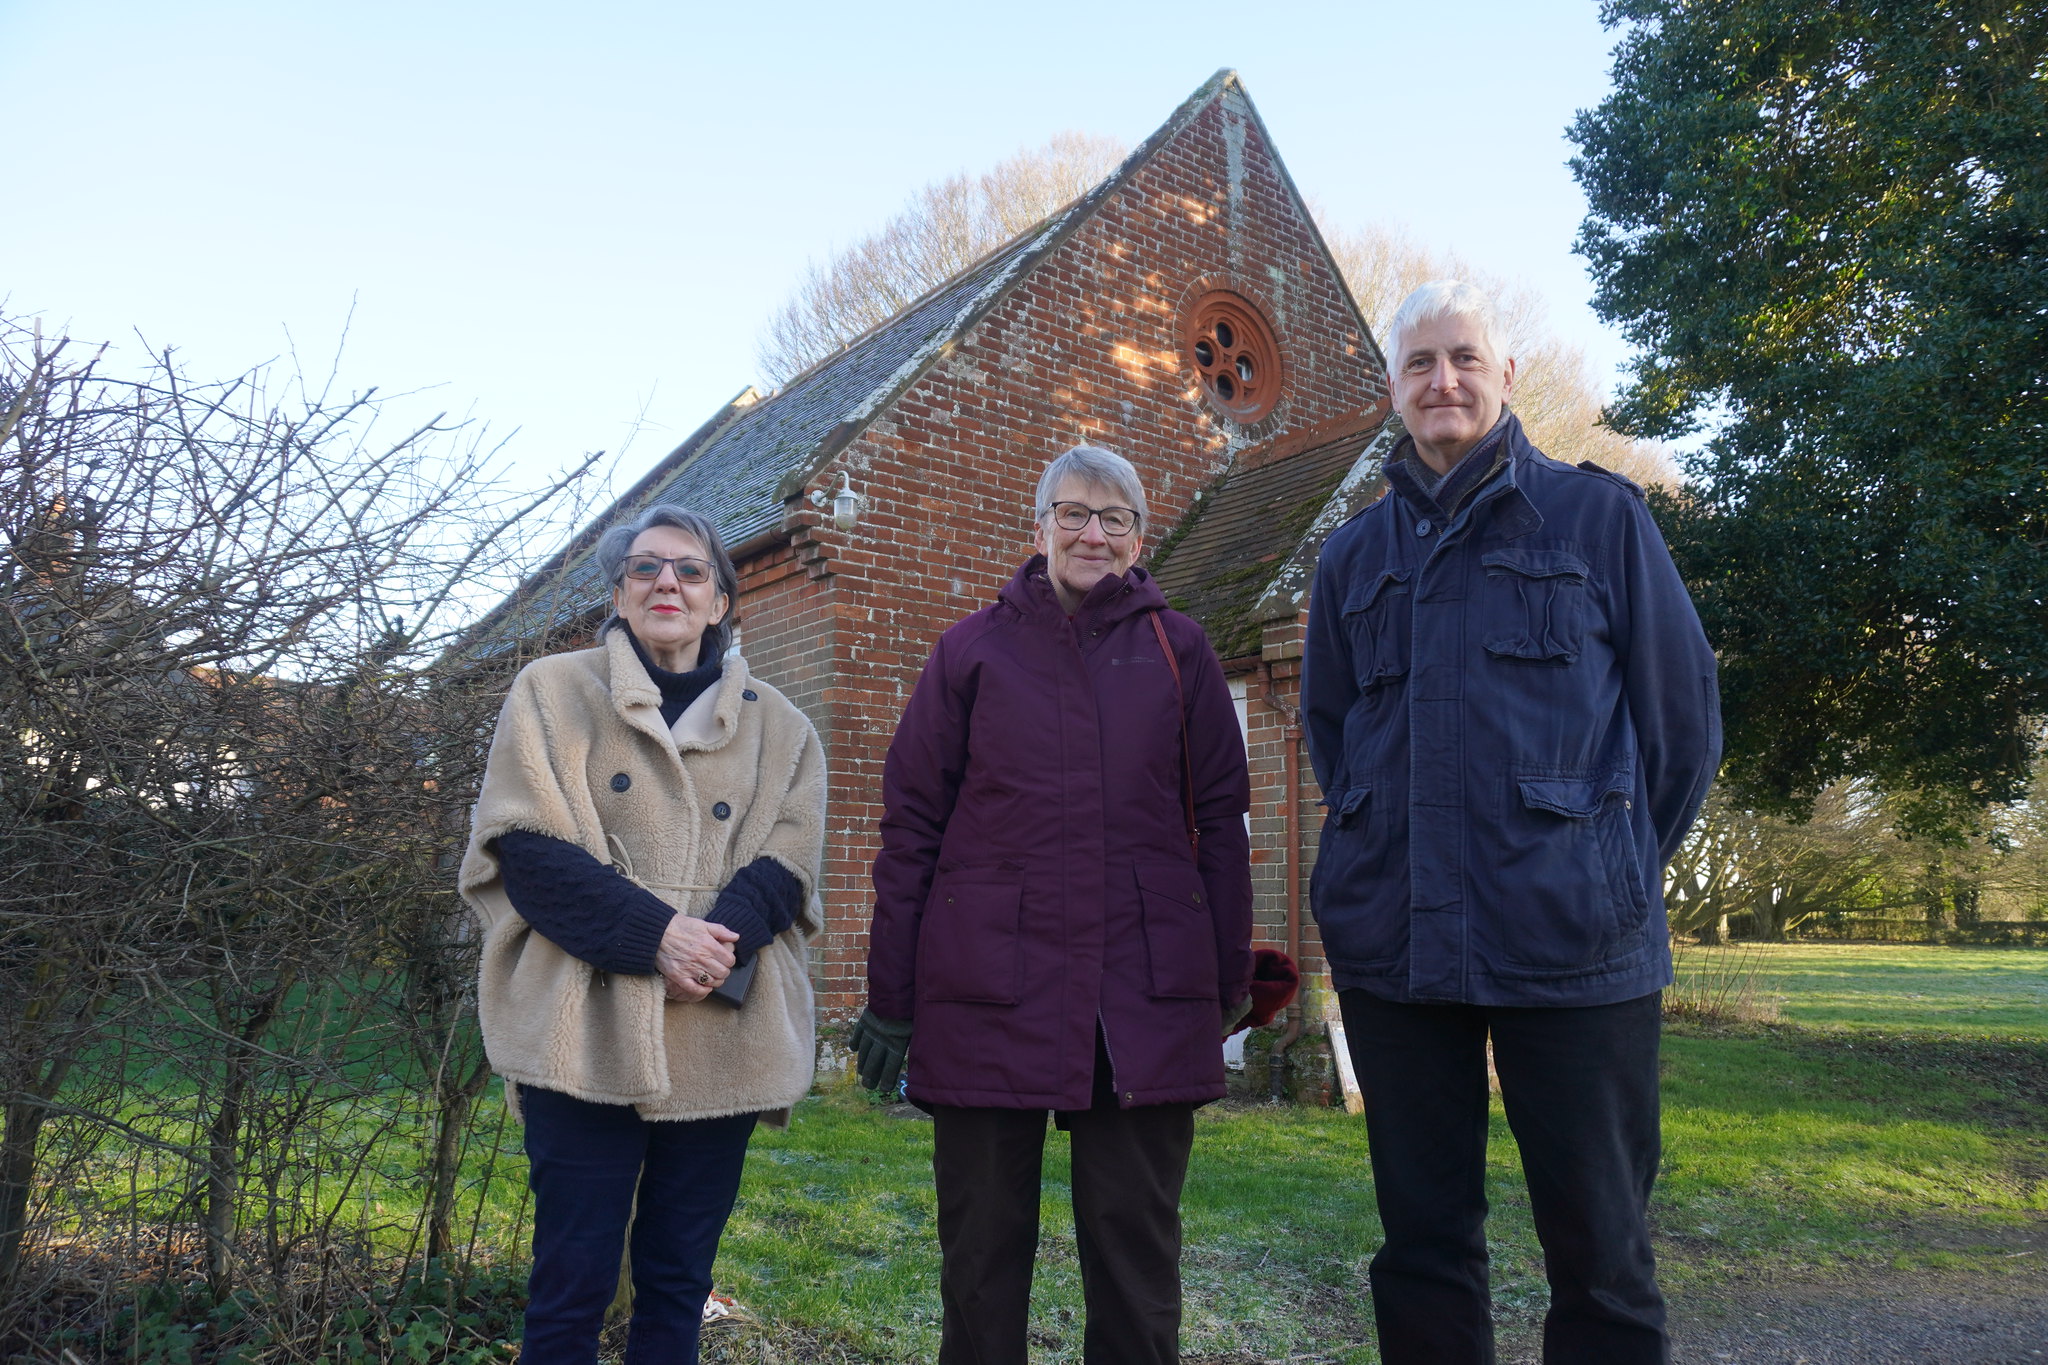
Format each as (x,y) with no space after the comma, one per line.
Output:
(846,505)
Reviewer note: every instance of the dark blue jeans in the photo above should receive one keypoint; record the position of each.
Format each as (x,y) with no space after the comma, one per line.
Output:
(1580,1090)
(586,1163)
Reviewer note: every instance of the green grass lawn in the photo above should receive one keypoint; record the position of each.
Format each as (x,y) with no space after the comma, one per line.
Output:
(1895,1118)
(1957,993)
(834,1234)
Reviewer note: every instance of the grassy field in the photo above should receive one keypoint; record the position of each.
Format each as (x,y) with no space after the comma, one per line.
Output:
(1896,1118)
(1893,1119)
(1909,989)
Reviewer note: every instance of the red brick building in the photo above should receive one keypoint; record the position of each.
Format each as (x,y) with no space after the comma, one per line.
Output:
(1186,313)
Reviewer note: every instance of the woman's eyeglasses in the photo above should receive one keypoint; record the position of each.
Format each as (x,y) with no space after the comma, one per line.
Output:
(648,567)
(1073,516)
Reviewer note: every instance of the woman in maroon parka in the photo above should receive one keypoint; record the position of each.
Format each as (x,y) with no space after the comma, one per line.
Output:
(1045,924)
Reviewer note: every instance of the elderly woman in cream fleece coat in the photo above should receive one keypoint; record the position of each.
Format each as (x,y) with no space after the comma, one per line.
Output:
(647,839)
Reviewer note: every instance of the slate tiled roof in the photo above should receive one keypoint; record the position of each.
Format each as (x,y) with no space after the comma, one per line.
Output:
(737,467)
(735,477)
(733,470)
(1229,549)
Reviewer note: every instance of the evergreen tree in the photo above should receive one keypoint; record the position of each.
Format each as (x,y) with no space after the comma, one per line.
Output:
(1824,224)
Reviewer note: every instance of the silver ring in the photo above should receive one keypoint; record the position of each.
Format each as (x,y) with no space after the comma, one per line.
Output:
(703,979)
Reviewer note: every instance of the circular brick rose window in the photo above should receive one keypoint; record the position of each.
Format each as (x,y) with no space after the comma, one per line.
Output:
(1231,346)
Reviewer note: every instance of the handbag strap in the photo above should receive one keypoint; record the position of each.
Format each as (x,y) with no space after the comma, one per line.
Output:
(1187,771)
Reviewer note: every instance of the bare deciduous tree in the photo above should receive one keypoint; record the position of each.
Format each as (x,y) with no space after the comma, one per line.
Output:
(951,223)
(1851,867)
(227,779)
(1555,394)
(946,227)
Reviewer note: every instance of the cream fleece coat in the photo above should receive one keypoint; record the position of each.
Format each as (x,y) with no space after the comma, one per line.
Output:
(581,754)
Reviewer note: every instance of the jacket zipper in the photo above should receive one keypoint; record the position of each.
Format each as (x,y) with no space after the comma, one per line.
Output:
(1102,1031)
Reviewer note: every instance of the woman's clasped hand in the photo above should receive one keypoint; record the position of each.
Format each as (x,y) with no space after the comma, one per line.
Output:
(695,955)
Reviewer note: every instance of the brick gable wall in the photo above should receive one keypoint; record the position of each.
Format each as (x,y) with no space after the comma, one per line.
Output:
(1087,348)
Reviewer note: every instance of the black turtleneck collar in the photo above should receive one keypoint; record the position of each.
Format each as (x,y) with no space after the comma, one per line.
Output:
(678,690)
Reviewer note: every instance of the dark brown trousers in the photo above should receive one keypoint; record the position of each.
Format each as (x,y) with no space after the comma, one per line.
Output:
(1128,1166)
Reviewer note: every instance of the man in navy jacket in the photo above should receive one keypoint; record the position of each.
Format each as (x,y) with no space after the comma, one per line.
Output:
(1512,711)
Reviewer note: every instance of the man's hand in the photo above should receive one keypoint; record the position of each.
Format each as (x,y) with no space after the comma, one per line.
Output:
(1234,1015)
(693,956)
(879,1046)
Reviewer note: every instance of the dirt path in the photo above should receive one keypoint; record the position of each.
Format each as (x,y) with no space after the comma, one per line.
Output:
(1873,1319)
(1973,1321)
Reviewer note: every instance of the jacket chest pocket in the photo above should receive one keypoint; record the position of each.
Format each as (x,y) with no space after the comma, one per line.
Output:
(1533,605)
(1376,621)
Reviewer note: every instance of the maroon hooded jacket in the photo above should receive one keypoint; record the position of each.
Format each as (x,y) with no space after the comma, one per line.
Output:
(1035,877)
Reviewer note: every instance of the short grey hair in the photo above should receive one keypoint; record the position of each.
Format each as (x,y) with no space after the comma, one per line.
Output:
(1092,464)
(1447,299)
(611,562)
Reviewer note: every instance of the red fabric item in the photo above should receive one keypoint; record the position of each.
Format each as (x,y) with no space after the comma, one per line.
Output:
(1275,979)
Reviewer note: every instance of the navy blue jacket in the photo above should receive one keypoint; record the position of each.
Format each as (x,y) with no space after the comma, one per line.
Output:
(1514,720)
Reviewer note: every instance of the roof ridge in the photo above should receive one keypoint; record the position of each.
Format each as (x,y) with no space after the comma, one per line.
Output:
(793,434)
(1051,234)
(952,280)
(1209,88)
(1287,506)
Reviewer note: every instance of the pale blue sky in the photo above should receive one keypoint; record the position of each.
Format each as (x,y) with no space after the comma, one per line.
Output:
(559,215)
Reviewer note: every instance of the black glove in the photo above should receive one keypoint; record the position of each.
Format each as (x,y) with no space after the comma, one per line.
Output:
(878,1047)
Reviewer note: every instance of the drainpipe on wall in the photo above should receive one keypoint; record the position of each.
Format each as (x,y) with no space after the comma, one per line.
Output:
(1276,1061)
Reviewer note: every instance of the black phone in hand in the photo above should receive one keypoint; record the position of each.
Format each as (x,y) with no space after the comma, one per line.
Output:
(732,992)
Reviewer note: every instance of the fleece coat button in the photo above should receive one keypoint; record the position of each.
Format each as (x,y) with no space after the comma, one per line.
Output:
(722,811)
(621,781)
(1422,527)
(751,695)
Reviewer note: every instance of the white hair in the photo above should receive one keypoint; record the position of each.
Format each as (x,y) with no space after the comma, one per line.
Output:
(1092,464)
(1447,299)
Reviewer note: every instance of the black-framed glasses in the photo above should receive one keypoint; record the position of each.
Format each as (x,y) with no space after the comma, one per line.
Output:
(1073,516)
(647,568)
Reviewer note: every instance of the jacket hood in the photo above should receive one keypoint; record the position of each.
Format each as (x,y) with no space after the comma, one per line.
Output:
(1030,594)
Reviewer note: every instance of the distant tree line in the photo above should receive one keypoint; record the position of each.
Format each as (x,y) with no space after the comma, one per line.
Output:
(1851,869)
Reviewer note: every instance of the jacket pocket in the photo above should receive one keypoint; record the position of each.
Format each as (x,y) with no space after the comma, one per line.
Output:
(1376,621)
(1180,931)
(1359,892)
(1534,606)
(967,948)
(1574,897)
